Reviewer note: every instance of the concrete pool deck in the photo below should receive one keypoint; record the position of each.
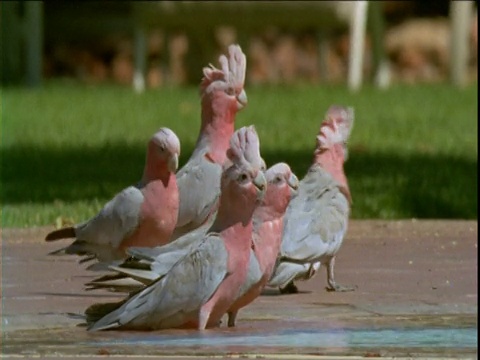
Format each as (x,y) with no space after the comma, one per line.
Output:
(416,297)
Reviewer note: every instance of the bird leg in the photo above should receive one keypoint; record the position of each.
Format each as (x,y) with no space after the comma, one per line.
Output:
(290,288)
(332,285)
(232,315)
(204,321)
(204,316)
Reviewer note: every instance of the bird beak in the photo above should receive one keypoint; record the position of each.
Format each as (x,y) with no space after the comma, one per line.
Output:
(173,163)
(242,100)
(260,182)
(293,182)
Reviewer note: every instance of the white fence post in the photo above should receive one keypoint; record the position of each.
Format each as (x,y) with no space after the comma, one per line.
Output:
(460,19)
(33,36)
(140,61)
(358,24)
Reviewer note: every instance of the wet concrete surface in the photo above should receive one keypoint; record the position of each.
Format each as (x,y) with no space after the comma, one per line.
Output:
(416,297)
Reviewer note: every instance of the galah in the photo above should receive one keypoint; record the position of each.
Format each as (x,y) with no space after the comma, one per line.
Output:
(140,215)
(200,287)
(147,265)
(222,96)
(317,217)
(267,235)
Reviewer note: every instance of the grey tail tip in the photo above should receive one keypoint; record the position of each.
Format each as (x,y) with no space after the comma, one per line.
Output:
(92,327)
(95,327)
(58,252)
(64,233)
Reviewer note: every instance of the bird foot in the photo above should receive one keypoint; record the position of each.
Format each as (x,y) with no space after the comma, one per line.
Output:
(340,288)
(290,288)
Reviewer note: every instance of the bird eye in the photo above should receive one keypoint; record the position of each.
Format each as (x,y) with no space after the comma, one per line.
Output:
(242,177)
(162,147)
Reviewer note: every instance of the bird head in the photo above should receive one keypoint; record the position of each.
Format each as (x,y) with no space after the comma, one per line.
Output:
(282,184)
(244,158)
(166,147)
(335,129)
(229,80)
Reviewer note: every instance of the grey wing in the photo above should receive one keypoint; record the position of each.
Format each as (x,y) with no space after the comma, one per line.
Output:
(167,255)
(315,221)
(177,297)
(183,242)
(117,219)
(121,283)
(148,264)
(289,271)
(142,271)
(141,275)
(129,275)
(164,262)
(148,269)
(199,188)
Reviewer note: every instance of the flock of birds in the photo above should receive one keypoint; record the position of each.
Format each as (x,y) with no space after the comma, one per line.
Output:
(190,246)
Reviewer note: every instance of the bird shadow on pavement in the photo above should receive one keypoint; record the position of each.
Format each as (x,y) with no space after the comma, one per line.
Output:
(75,295)
(276,292)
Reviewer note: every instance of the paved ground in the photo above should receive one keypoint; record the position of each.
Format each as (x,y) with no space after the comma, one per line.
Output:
(416,297)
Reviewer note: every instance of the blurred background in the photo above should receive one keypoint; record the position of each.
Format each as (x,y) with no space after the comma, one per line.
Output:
(86,83)
(286,42)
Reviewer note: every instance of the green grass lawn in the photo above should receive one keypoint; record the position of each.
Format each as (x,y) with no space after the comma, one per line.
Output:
(67,148)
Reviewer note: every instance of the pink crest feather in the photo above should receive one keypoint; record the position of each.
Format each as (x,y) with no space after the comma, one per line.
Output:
(336,127)
(245,147)
(231,73)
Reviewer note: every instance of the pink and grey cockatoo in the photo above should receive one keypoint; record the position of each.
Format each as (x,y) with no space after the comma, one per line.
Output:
(222,96)
(141,215)
(200,287)
(317,217)
(267,235)
(148,264)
